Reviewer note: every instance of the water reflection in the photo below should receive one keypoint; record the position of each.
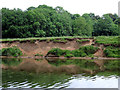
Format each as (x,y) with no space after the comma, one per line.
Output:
(31,80)
(44,67)
(60,73)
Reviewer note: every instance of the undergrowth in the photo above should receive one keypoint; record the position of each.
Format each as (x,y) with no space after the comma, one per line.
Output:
(11,51)
(81,52)
(112,52)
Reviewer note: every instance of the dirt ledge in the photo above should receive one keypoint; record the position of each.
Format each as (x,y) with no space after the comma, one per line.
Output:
(41,57)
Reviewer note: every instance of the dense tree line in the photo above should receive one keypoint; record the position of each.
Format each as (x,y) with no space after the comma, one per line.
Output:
(45,21)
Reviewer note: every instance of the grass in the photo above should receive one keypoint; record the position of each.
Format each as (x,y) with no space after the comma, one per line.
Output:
(60,41)
(100,39)
(83,40)
(43,38)
(114,40)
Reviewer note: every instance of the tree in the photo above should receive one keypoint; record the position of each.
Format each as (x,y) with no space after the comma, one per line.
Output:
(105,26)
(89,25)
(79,26)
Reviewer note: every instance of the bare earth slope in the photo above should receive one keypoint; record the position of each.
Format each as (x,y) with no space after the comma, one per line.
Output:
(99,53)
(42,47)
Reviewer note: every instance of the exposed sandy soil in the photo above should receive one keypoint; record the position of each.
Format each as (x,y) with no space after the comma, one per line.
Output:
(30,49)
(42,47)
(87,43)
(99,53)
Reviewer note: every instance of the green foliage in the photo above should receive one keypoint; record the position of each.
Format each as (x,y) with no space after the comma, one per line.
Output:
(44,38)
(43,79)
(84,51)
(11,51)
(112,52)
(69,55)
(11,61)
(56,52)
(32,41)
(61,40)
(89,49)
(81,52)
(80,27)
(83,40)
(112,65)
(45,21)
(38,54)
(113,40)
(109,28)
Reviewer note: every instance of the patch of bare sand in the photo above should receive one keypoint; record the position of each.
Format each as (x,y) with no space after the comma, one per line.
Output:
(100,52)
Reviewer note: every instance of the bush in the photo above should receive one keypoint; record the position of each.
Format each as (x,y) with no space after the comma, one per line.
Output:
(69,55)
(81,52)
(38,54)
(89,49)
(12,51)
(67,52)
(56,52)
(112,52)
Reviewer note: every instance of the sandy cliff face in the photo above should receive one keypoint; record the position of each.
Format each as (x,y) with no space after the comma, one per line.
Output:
(42,47)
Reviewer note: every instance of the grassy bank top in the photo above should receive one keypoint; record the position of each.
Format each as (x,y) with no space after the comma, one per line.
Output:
(44,38)
(115,40)
(108,40)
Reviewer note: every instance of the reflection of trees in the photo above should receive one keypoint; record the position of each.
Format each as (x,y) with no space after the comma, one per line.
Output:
(100,63)
(112,65)
(88,64)
(63,66)
(11,61)
(44,80)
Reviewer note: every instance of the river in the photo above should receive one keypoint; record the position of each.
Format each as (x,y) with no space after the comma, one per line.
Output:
(38,73)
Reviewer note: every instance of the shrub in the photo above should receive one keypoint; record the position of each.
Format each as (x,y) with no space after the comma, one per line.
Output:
(38,54)
(69,55)
(56,52)
(81,52)
(12,51)
(89,49)
(112,52)
(67,52)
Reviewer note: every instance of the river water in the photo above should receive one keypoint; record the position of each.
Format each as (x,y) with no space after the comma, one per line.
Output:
(19,73)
